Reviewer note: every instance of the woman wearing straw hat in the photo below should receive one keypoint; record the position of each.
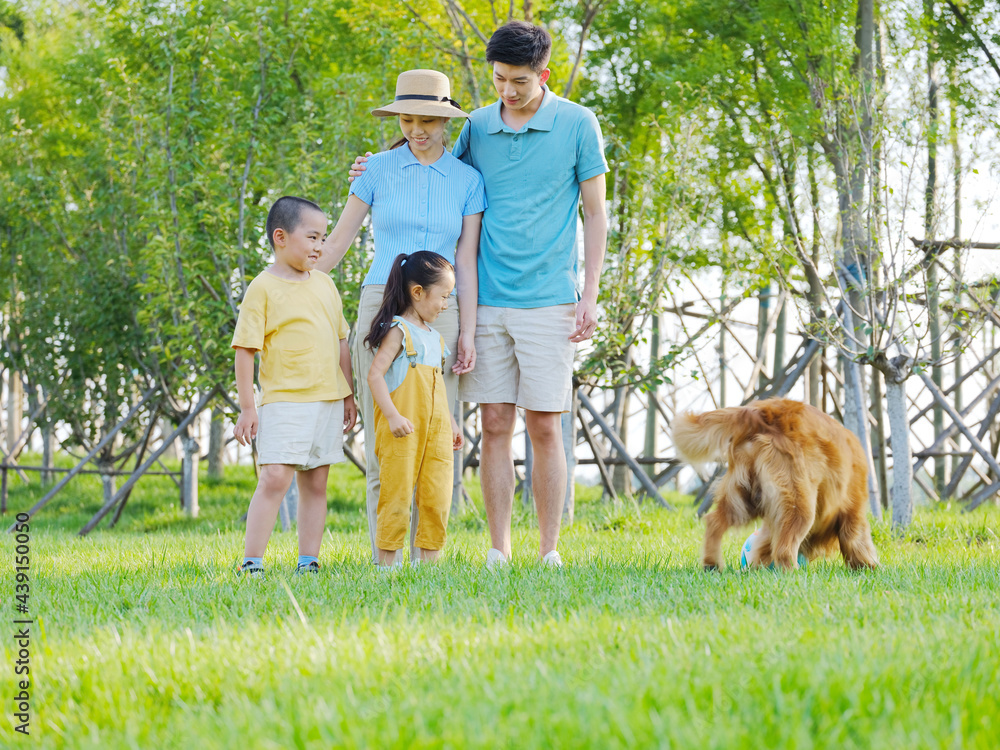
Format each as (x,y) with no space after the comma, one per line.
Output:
(421,198)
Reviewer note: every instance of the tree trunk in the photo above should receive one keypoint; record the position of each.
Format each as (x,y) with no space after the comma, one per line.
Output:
(881,447)
(189,473)
(15,408)
(217,444)
(288,511)
(930,198)
(902,459)
(569,445)
(620,474)
(48,451)
(649,447)
(779,340)
(763,314)
(108,481)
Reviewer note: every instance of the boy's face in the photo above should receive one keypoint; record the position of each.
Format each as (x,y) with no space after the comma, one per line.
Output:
(301,248)
(518,85)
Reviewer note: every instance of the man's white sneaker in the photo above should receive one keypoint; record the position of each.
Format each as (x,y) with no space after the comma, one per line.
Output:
(495,559)
(552,559)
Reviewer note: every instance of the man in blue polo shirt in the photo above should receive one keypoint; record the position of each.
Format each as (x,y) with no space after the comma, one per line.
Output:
(539,155)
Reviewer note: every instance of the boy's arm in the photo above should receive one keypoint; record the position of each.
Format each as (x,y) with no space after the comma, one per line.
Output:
(387,351)
(467,284)
(350,405)
(246,424)
(595,239)
(336,244)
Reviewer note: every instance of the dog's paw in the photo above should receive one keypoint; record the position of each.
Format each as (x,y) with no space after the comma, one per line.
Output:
(711,567)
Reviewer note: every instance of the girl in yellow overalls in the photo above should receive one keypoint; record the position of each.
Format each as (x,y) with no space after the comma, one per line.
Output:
(415,433)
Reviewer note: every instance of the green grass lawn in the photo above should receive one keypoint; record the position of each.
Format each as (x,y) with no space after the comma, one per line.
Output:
(146,639)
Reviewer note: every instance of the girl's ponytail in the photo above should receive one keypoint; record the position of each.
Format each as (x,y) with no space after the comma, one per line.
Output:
(422,268)
(394,302)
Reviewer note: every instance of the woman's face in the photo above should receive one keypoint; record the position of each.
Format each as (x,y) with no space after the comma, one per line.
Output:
(424,134)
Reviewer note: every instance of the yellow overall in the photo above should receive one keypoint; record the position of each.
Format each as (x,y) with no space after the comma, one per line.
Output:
(422,459)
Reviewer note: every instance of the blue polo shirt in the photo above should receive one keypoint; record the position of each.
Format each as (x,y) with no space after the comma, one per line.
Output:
(416,207)
(527,249)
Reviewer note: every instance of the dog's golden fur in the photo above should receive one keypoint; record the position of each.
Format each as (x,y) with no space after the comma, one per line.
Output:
(791,465)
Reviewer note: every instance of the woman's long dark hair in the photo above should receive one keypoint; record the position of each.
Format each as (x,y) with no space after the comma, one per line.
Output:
(422,268)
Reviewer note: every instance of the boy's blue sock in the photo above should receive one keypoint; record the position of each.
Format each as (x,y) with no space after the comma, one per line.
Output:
(255,562)
(306,559)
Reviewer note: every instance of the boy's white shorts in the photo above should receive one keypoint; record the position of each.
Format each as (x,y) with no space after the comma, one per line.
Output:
(301,435)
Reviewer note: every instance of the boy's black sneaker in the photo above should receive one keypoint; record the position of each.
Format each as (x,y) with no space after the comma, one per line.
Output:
(310,567)
(251,570)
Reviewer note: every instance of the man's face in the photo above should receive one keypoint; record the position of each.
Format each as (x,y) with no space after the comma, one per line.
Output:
(518,85)
(301,248)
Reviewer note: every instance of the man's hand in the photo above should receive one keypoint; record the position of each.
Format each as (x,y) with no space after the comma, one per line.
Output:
(358,166)
(246,426)
(350,413)
(400,426)
(586,320)
(466,354)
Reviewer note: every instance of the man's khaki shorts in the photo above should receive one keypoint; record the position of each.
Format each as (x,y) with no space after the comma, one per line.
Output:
(305,436)
(523,357)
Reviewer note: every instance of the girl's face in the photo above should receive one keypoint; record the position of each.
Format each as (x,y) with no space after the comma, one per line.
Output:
(430,301)
(424,134)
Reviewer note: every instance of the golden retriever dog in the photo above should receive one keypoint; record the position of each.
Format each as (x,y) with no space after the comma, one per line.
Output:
(791,465)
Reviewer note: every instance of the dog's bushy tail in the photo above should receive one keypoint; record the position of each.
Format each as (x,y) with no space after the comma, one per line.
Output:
(707,437)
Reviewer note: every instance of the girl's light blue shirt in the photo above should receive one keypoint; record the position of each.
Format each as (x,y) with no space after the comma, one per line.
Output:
(427,344)
(416,207)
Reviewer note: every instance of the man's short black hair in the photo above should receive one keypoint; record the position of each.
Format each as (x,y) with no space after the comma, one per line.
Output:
(286,213)
(520,43)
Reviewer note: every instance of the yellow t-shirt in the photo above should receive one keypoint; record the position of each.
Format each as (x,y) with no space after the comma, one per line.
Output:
(297,327)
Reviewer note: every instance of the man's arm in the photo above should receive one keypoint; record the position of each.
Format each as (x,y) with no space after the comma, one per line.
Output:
(595,240)
(467,285)
(339,240)
(246,424)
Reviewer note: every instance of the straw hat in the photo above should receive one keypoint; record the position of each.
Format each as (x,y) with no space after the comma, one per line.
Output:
(422,92)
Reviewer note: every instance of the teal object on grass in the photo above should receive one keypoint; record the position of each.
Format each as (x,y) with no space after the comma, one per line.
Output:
(748,547)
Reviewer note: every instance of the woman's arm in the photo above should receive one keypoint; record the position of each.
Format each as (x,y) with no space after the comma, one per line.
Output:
(387,351)
(336,244)
(467,286)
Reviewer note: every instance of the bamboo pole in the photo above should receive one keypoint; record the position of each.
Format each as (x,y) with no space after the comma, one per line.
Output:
(137,474)
(86,459)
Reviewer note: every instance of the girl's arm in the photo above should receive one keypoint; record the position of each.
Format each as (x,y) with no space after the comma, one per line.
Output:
(456,434)
(336,244)
(391,345)
(467,285)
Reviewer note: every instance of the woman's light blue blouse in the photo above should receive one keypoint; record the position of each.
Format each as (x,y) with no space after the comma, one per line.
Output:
(416,207)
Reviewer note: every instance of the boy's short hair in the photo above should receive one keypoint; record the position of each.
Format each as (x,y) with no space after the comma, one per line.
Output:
(286,213)
(520,43)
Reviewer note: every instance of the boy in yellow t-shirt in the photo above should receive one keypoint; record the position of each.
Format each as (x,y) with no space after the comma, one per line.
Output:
(293,316)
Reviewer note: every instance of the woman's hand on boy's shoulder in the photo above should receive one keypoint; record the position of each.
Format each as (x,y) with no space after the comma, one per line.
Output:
(358,167)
